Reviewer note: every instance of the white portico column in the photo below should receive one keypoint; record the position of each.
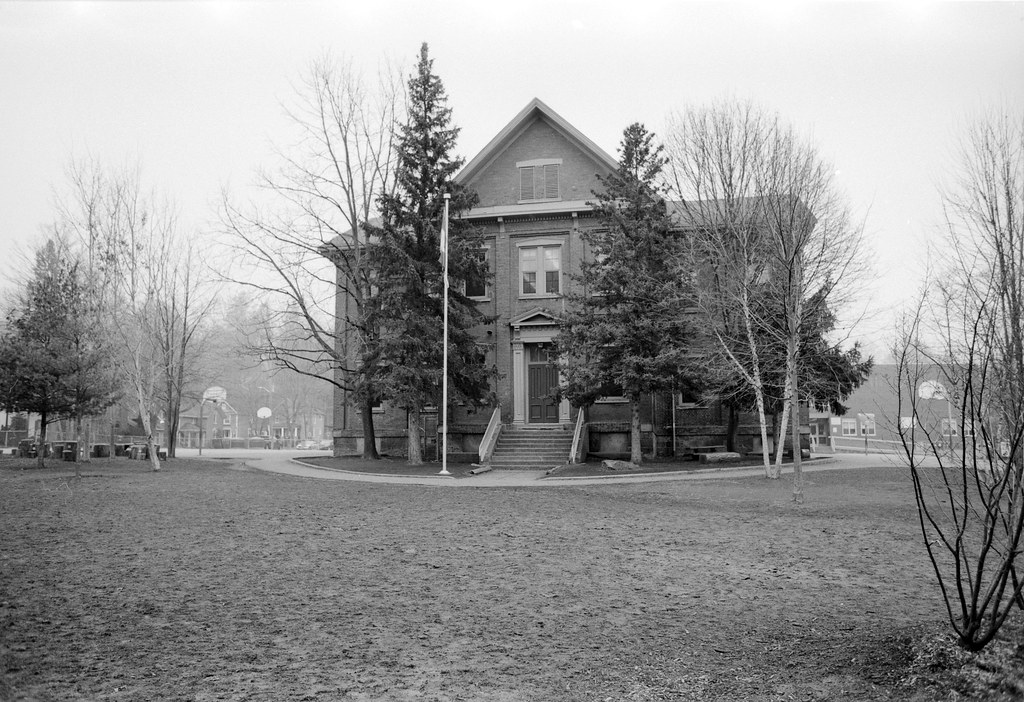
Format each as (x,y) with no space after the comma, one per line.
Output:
(518,384)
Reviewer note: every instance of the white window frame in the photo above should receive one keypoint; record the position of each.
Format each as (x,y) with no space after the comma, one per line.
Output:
(868,427)
(550,169)
(849,427)
(540,245)
(948,427)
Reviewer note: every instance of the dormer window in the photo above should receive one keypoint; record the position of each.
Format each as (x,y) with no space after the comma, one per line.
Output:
(538,179)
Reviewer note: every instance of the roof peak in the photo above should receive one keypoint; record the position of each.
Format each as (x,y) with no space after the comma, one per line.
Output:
(536,107)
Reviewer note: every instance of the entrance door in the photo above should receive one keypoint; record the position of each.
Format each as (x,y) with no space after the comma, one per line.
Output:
(542,378)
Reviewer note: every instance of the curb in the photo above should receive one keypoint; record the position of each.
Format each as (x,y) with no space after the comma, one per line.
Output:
(529,478)
(697,471)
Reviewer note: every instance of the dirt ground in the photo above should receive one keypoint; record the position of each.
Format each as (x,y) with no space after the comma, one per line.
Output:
(208,581)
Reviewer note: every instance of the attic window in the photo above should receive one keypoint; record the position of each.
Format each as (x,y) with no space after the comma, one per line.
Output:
(538,179)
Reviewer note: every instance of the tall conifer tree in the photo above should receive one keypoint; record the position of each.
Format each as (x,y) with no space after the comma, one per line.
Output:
(54,360)
(406,258)
(622,331)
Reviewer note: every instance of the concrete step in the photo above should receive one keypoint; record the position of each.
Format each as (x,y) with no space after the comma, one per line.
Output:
(513,457)
(526,465)
(532,444)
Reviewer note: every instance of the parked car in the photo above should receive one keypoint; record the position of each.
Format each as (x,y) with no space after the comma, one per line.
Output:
(325,445)
(306,445)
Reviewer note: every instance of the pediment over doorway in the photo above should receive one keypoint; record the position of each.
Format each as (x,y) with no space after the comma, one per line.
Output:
(537,317)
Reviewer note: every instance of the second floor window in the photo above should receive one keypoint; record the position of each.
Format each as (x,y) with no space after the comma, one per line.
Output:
(541,270)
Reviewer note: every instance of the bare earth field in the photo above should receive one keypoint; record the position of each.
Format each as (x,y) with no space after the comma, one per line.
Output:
(209,581)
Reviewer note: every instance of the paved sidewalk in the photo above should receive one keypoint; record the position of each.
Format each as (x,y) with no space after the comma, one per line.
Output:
(290,463)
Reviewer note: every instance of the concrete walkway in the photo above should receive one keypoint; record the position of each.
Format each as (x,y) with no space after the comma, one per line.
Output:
(291,463)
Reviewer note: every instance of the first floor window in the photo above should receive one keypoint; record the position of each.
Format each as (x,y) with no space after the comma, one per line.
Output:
(849,427)
(477,287)
(867,425)
(688,399)
(612,392)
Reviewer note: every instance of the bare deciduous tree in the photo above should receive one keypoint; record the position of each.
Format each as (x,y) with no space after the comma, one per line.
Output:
(960,356)
(772,240)
(307,258)
(714,155)
(150,283)
(815,250)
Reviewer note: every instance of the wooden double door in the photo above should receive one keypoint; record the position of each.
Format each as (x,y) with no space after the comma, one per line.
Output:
(542,385)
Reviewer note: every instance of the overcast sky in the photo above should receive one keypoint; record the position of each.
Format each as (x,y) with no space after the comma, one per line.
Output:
(192,90)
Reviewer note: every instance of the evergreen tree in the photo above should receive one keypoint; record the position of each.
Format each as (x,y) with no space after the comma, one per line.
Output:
(406,260)
(53,358)
(622,328)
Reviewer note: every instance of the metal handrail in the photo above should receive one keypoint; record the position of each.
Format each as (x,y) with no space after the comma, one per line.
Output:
(577,435)
(490,439)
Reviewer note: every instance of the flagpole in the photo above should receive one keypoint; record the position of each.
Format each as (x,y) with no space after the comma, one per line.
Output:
(444,363)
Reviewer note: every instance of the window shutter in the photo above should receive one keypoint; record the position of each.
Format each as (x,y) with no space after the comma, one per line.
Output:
(551,181)
(526,183)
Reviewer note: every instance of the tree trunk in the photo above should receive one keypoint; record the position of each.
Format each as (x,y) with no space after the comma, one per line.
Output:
(41,451)
(369,432)
(147,425)
(792,376)
(757,385)
(78,444)
(154,459)
(173,412)
(780,433)
(733,427)
(85,447)
(415,442)
(151,447)
(798,475)
(635,452)
(763,420)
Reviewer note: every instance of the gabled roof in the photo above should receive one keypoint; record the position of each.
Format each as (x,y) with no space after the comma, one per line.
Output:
(534,110)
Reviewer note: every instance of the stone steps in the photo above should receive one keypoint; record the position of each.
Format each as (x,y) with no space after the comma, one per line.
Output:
(524,449)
